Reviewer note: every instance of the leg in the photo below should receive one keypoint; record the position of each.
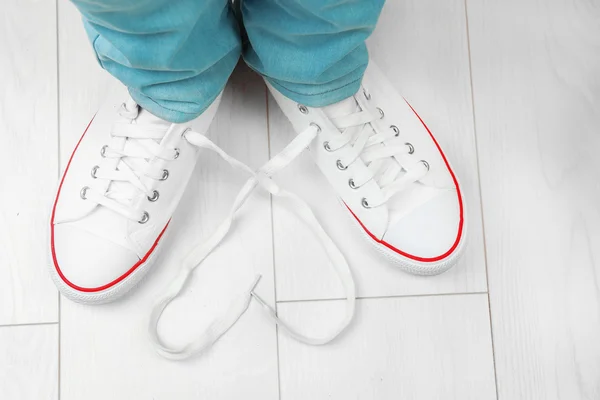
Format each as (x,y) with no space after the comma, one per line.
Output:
(371,145)
(174,56)
(312,51)
(130,168)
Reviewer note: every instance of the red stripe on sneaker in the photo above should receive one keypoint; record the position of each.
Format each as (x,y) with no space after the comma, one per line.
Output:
(460,202)
(120,278)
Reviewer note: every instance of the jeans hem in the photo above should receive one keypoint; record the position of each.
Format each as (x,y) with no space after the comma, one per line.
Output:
(173,116)
(321,99)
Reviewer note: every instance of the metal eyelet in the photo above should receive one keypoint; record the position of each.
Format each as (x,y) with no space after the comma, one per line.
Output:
(396,130)
(165,175)
(411,148)
(103,151)
(177,153)
(154,196)
(366,94)
(184,132)
(94,170)
(145,218)
(302,108)
(316,126)
(352,184)
(83,192)
(340,166)
(365,203)
(326,146)
(381,113)
(425,163)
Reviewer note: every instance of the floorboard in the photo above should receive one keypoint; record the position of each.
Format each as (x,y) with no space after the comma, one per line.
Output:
(29,362)
(421,348)
(28,159)
(537,88)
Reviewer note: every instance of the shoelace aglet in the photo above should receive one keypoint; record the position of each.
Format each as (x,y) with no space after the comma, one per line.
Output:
(258,298)
(255,284)
(267,307)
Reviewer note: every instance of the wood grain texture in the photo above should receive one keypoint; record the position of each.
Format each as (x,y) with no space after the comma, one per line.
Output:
(421,348)
(29,362)
(110,342)
(28,159)
(422,47)
(536,80)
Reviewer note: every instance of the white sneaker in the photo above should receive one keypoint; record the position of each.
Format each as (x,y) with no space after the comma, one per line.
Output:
(115,200)
(390,172)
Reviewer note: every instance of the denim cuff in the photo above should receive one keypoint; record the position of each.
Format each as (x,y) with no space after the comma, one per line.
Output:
(318,99)
(160,111)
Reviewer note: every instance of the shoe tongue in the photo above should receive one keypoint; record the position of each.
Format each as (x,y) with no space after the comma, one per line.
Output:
(144,117)
(342,108)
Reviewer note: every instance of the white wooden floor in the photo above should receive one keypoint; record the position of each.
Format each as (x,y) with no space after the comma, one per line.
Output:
(511,87)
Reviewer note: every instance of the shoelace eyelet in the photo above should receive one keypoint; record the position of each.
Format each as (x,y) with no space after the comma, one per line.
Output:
(326,146)
(83,192)
(411,148)
(94,170)
(340,166)
(352,184)
(425,163)
(365,203)
(302,108)
(316,126)
(103,151)
(165,175)
(177,153)
(145,218)
(396,130)
(381,113)
(154,196)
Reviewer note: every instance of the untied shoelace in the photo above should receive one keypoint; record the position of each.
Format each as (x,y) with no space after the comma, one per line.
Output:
(220,325)
(361,137)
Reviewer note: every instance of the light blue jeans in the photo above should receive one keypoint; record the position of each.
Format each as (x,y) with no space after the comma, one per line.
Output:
(175,56)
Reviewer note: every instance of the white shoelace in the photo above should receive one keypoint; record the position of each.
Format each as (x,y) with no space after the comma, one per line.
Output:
(360,137)
(222,324)
(363,137)
(132,163)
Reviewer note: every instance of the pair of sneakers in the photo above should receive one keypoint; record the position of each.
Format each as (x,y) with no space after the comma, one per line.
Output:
(130,168)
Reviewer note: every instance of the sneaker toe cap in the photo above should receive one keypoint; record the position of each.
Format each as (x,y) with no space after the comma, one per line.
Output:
(86,261)
(430,232)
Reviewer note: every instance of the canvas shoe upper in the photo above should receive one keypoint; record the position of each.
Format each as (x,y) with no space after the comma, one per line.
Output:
(390,173)
(120,187)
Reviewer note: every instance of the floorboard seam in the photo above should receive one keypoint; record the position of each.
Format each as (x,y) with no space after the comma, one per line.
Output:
(57,13)
(485,257)
(273,249)
(28,324)
(400,296)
